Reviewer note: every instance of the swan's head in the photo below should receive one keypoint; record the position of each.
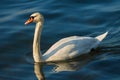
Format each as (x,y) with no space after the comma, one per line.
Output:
(35,17)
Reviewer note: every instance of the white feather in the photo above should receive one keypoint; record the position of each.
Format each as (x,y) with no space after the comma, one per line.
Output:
(65,48)
(71,47)
(101,37)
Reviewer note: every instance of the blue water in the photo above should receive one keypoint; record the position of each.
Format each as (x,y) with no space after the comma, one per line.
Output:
(63,18)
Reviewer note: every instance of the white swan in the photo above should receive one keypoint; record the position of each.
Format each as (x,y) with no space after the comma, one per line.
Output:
(65,48)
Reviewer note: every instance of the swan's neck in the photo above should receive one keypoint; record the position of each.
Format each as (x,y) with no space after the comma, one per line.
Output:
(36,43)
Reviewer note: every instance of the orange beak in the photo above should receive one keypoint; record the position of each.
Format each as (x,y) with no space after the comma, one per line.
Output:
(30,20)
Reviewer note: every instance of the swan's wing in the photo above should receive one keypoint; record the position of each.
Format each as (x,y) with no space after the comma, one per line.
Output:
(70,47)
(60,42)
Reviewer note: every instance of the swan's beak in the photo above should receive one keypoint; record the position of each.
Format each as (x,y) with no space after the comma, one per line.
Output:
(30,20)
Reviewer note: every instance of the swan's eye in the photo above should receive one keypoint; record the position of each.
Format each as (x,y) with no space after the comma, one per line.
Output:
(32,17)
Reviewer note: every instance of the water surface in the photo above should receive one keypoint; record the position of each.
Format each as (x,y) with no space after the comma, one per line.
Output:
(63,18)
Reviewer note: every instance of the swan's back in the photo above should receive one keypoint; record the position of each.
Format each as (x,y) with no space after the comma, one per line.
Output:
(70,47)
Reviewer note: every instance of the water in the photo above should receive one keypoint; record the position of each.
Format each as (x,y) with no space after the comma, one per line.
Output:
(63,18)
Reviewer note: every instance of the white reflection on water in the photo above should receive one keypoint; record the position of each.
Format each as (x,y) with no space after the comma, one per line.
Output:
(68,65)
(38,71)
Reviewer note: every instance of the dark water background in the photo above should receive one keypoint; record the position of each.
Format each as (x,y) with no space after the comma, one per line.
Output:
(63,18)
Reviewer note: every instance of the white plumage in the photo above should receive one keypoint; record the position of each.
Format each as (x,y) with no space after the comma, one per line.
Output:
(71,47)
(65,48)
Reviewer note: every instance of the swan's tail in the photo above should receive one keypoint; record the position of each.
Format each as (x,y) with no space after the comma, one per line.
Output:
(102,36)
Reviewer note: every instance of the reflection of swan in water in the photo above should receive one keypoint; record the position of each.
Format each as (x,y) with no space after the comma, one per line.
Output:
(66,48)
(38,71)
(68,65)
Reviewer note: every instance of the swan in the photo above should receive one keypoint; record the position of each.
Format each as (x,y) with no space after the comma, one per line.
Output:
(66,48)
